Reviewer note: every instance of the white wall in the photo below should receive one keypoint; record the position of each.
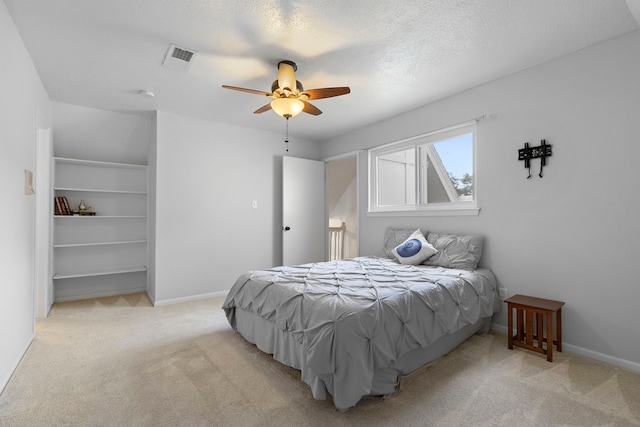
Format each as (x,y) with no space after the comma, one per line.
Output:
(206,176)
(22,93)
(91,134)
(572,235)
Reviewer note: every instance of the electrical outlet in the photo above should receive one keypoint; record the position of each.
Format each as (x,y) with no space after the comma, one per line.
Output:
(503,293)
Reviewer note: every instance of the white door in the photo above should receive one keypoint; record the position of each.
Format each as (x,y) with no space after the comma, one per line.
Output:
(303,211)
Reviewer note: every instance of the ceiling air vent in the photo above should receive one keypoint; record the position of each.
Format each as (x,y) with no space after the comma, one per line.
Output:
(179,58)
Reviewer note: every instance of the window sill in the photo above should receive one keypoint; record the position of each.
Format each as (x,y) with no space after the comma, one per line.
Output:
(430,211)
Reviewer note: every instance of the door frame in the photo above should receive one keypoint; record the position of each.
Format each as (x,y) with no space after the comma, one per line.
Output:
(42,277)
(355,154)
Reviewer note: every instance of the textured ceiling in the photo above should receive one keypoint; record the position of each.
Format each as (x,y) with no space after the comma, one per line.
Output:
(395,56)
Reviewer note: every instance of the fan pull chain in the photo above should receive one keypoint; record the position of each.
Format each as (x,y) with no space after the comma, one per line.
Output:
(286,141)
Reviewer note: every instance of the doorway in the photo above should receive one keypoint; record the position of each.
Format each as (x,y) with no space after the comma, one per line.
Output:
(342,207)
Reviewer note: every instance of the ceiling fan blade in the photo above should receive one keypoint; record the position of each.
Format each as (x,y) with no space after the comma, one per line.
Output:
(263,109)
(311,109)
(242,89)
(326,92)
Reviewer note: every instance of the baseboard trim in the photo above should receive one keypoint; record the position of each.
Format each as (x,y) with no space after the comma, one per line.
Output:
(190,298)
(581,351)
(5,381)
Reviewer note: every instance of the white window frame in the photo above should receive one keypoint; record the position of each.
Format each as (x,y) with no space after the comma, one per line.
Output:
(423,144)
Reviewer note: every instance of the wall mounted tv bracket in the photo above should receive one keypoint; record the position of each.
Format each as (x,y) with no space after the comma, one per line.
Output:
(527,153)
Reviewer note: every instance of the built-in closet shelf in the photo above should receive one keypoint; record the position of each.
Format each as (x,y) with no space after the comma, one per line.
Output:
(94,217)
(76,275)
(122,242)
(93,190)
(99,164)
(106,253)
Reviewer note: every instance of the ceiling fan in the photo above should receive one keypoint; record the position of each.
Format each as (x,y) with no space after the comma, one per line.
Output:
(289,96)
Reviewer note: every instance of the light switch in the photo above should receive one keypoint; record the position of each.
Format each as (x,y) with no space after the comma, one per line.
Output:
(28,183)
(254,204)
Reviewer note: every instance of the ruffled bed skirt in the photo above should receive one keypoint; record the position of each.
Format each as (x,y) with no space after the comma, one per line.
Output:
(288,351)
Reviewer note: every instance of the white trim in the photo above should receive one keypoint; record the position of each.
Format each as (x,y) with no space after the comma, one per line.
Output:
(122,242)
(89,190)
(98,163)
(14,366)
(218,294)
(581,351)
(43,237)
(94,217)
(136,269)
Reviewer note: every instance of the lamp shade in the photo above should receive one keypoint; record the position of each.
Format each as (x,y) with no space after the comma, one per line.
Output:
(287,107)
(287,76)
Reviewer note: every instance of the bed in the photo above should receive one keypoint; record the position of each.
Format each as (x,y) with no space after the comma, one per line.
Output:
(353,327)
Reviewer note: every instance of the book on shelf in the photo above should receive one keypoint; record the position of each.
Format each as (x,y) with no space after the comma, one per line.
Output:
(67,208)
(61,205)
(56,206)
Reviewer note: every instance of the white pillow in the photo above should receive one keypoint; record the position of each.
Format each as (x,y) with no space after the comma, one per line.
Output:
(414,250)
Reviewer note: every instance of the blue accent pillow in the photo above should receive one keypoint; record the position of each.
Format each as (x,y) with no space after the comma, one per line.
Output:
(409,248)
(414,250)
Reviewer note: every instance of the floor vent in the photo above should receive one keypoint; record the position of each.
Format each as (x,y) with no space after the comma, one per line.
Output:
(179,58)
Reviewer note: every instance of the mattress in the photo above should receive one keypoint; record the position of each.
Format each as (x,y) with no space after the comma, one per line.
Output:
(352,326)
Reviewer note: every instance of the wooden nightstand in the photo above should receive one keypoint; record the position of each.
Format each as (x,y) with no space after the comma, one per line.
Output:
(531,311)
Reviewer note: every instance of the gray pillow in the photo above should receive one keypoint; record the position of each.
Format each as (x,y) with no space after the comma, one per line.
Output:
(454,251)
(394,236)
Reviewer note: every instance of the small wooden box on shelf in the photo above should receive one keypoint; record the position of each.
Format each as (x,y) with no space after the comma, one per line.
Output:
(531,311)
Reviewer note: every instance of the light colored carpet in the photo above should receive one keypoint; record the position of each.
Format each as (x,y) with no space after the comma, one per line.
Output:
(120,362)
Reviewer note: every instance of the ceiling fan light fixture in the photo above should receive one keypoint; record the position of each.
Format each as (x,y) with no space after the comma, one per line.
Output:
(287,75)
(287,107)
(289,96)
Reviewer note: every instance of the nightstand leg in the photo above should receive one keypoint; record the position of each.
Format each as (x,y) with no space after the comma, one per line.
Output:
(519,324)
(559,329)
(539,329)
(549,336)
(510,327)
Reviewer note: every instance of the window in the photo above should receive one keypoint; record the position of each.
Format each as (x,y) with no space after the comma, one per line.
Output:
(429,174)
